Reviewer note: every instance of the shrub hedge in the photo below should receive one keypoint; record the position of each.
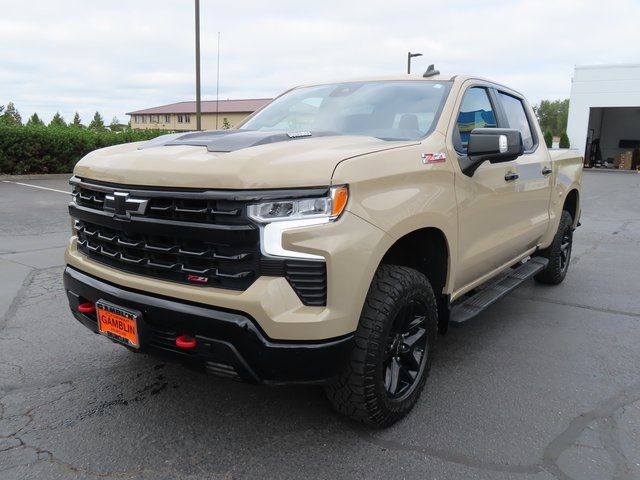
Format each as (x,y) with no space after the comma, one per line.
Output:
(38,149)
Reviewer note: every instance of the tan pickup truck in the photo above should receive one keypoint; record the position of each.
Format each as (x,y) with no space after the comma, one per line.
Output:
(328,239)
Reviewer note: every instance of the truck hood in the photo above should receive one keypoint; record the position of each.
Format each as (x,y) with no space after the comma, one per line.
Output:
(266,161)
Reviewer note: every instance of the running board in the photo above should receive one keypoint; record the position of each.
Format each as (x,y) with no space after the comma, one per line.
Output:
(495,290)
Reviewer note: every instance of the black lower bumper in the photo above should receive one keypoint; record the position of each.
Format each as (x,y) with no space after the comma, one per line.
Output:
(229,343)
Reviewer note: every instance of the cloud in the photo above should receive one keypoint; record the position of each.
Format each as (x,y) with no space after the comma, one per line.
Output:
(118,56)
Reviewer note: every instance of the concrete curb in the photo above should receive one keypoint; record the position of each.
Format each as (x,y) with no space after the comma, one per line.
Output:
(36,176)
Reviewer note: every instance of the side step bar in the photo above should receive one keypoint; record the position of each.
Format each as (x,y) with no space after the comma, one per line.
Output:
(495,290)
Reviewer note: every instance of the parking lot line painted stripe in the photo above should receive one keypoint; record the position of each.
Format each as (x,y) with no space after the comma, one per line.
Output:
(37,186)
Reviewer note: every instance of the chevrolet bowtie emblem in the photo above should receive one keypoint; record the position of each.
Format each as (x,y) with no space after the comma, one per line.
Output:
(123,205)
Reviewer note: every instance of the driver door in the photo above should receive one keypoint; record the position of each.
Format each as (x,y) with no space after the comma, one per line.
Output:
(487,206)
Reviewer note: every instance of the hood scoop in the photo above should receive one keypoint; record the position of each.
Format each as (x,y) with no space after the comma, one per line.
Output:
(229,140)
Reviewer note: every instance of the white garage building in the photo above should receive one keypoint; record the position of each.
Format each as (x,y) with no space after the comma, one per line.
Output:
(604,113)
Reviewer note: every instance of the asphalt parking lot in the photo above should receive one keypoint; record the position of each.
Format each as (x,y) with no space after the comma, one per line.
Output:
(543,385)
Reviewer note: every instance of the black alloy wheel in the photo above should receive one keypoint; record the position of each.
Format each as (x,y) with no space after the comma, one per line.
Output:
(393,349)
(565,248)
(558,253)
(407,350)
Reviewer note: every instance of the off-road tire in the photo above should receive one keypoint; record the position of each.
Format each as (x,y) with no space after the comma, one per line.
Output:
(360,392)
(558,253)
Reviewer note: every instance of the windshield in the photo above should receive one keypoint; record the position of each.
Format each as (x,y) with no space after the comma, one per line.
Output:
(390,110)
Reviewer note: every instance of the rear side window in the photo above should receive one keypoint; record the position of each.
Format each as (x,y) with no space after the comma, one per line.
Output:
(475,112)
(517,118)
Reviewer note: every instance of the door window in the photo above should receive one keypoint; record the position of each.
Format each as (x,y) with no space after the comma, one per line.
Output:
(517,118)
(475,112)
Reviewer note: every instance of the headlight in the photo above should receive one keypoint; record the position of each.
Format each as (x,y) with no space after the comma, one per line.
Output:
(326,207)
(278,216)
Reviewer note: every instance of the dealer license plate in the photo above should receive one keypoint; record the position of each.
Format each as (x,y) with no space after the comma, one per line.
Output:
(117,323)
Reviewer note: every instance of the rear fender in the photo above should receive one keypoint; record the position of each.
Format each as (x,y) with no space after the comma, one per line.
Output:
(567,174)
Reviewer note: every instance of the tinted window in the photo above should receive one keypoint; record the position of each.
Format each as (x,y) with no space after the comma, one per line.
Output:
(393,110)
(517,118)
(475,112)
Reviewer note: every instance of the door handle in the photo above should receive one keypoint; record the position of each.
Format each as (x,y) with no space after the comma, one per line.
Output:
(546,171)
(511,176)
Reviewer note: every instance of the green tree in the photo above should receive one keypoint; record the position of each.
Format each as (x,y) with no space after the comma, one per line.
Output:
(97,123)
(115,125)
(11,116)
(57,121)
(34,120)
(76,122)
(552,115)
(564,140)
(548,137)
(226,125)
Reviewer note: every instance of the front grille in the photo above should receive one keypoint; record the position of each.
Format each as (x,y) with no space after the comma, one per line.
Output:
(87,197)
(213,264)
(197,210)
(198,238)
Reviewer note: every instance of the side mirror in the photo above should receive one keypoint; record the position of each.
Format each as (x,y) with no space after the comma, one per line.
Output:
(494,144)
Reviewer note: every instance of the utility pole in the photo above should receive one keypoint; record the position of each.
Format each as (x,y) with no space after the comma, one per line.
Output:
(409,57)
(198,106)
(218,82)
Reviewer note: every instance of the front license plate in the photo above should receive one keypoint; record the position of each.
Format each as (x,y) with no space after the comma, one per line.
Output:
(117,323)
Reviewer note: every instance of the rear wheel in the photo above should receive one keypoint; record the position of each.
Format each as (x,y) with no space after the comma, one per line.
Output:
(558,253)
(393,349)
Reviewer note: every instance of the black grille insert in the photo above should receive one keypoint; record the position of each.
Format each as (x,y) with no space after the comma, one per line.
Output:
(197,210)
(223,266)
(307,277)
(309,280)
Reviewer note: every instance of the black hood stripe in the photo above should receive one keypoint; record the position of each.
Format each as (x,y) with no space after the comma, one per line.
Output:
(228,140)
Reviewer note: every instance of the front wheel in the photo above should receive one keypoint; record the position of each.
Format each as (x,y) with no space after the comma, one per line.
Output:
(393,349)
(558,253)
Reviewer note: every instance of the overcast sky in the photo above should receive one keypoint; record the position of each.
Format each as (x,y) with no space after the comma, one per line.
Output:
(116,56)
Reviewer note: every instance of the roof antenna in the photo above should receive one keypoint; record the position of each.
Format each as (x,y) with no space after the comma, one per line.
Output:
(431,71)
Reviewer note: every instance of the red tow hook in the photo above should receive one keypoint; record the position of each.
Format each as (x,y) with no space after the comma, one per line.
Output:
(87,307)
(185,341)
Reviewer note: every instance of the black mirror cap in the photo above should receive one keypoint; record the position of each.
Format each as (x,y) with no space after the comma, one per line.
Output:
(494,144)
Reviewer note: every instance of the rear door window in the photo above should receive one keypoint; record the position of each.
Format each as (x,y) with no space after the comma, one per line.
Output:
(517,118)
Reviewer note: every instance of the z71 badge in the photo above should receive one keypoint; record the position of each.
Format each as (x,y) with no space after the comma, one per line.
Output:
(438,157)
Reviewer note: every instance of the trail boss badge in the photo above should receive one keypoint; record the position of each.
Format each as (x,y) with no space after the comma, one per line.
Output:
(438,157)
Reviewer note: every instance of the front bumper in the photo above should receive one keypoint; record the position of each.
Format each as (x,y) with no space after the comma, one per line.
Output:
(230,343)
(352,248)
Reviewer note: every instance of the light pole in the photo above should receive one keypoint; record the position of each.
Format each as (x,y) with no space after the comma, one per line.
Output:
(218,83)
(409,57)
(198,110)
